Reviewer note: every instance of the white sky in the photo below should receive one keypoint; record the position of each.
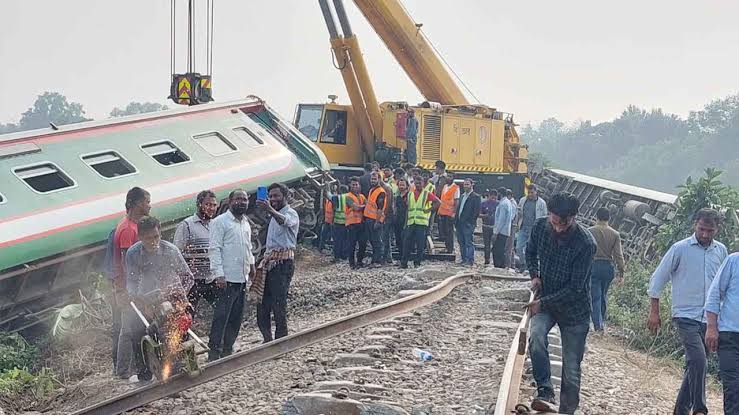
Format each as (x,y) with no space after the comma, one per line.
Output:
(575,59)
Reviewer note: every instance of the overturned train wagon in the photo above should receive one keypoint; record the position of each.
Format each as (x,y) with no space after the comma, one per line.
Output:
(636,213)
(63,188)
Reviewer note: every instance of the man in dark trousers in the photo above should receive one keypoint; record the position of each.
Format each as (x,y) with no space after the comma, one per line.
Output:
(421,201)
(232,265)
(355,229)
(277,266)
(338,202)
(138,205)
(559,255)
(487,213)
(466,220)
(690,265)
(374,218)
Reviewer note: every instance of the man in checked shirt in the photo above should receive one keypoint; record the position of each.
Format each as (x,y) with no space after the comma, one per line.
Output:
(559,254)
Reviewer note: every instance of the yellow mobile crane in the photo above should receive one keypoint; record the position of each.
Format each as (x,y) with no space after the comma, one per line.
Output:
(474,140)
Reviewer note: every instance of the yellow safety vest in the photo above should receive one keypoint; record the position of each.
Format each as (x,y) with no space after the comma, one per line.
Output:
(418,214)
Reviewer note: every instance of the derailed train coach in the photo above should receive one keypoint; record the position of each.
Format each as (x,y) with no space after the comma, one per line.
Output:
(636,213)
(63,188)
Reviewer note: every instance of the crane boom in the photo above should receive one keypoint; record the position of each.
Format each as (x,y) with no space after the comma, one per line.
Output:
(412,51)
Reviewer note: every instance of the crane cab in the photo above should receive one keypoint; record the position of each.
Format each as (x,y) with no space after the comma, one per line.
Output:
(333,128)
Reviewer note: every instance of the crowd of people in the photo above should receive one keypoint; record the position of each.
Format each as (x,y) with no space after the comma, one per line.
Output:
(571,268)
(398,207)
(211,258)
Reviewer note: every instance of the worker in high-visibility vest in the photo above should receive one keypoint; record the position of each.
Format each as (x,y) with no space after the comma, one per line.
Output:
(355,203)
(326,234)
(338,202)
(420,203)
(374,218)
(387,227)
(445,215)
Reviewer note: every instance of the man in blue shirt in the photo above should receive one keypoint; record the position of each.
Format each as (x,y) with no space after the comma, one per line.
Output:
(722,334)
(504,214)
(691,265)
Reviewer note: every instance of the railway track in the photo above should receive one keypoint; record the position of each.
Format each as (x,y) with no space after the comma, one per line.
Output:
(382,313)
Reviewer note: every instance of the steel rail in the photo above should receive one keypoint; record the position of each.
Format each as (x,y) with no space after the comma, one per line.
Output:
(271,350)
(510,382)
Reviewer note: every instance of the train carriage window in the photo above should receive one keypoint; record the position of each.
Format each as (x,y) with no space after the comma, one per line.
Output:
(44,178)
(109,164)
(165,153)
(248,136)
(214,143)
(334,127)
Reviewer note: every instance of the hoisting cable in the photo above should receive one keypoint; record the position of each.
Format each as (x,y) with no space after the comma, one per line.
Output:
(172,38)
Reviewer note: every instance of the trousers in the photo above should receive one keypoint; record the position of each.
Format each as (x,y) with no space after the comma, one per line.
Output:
(340,241)
(227,317)
(274,301)
(499,251)
(446,231)
(466,247)
(373,231)
(601,276)
(692,395)
(357,237)
(728,369)
(414,241)
(573,350)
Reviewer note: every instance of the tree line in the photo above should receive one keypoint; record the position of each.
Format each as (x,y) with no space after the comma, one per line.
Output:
(647,148)
(53,107)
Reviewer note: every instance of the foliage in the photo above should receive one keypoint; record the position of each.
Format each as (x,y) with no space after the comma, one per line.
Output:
(21,381)
(16,353)
(137,108)
(645,147)
(707,191)
(49,107)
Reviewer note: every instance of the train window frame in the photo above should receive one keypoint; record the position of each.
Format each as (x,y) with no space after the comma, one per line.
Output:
(219,135)
(59,170)
(143,146)
(3,199)
(106,151)
(254,141)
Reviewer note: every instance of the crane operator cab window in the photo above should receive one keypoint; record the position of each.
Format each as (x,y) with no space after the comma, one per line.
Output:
(334,127)
(309,120)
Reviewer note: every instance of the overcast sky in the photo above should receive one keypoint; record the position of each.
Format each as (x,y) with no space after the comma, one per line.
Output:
(575,59)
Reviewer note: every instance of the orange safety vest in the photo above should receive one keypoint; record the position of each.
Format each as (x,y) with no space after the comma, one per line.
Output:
(328,212)
(354,217)
(447,201)
(372,211)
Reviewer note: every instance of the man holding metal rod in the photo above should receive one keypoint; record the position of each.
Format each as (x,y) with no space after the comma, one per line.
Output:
(152,265)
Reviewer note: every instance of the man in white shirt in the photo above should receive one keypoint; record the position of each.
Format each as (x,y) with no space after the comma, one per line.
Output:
(232,265)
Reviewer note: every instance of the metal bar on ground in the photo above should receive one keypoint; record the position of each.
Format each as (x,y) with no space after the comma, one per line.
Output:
(230,364)
(510,382)
(235,362)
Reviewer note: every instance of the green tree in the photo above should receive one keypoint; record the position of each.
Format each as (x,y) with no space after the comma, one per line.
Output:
(708,191)
(51,107)
(137,108)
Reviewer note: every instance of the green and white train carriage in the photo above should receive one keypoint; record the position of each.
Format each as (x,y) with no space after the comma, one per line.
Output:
(63,189)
